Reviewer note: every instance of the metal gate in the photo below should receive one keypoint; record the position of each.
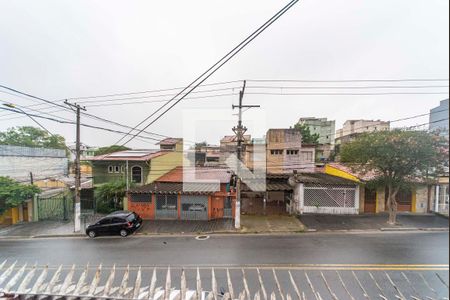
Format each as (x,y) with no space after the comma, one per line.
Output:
(227,208)
(166,207)
(330,199)
(57,207)
(194,207)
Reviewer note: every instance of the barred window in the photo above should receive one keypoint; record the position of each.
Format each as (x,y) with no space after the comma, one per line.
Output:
(276,152)
(167,202)
(141,198)
(136,174)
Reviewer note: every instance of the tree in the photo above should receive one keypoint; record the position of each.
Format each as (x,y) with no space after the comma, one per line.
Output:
(396,157)
(29,136)
(109,196)
(198,146)
(13,193)
(307,137)
(110,149)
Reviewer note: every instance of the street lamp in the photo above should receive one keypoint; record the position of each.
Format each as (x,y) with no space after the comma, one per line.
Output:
(10,105)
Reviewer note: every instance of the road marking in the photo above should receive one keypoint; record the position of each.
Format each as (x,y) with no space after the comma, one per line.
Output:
(311,267)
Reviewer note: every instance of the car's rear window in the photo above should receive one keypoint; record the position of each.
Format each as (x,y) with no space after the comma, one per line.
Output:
(131,218)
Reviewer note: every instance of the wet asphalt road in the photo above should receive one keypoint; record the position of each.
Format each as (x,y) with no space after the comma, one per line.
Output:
(377,248)
(307,257)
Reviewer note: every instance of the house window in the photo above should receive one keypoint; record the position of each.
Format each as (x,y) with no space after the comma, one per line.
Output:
(122,169)
(276,152)
(292,152)
(116,169)
(307,156)
(136,174)
(110,169)
(166,202)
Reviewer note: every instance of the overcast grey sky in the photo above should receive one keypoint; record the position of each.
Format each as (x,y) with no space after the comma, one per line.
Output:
(60,49)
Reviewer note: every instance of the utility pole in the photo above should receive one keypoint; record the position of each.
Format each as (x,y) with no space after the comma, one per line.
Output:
(31,178)
(240,131)
(77,210)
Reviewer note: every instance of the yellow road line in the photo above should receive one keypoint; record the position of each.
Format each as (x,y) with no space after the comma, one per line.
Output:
(340,267)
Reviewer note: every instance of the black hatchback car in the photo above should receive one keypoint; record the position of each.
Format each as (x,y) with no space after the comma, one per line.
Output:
(119,222)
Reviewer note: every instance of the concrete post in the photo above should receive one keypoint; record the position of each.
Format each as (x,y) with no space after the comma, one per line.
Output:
(436,203)
(35,208)
(301,187)
(20,208)
(357,198)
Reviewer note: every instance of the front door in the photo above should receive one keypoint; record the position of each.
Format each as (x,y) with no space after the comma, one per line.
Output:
(217,208)
(370,201)
(227,207)
(404,200)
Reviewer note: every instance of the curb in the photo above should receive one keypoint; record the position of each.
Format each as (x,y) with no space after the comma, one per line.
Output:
(56,236)
(236,233)
(415,229)
(400,229)
(435,229)
(441,215)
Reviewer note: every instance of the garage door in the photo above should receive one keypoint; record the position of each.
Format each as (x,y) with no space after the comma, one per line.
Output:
(194,207)
(166,206)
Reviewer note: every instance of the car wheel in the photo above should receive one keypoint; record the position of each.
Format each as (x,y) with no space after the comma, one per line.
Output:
(123,233)
(92,234)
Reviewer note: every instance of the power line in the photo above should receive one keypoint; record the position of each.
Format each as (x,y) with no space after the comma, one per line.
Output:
(111,95)
(428,123)
(353,80)
(350,87)
(159,101)
(34,110)
(34,97)
(158,96)
(149,91)
(73,123)
(215,67)
(346,94)
(250,87)
(265,87)
(66,108)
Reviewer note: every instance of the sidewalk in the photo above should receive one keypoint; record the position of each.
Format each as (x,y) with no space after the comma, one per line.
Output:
(59,228)
(45,228)
(249,224)
(186,227)
(271,224)
(374,222)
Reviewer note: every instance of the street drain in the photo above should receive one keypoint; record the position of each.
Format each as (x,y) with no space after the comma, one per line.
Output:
(202,237)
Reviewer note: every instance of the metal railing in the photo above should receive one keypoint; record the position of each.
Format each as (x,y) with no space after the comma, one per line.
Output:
(265,282)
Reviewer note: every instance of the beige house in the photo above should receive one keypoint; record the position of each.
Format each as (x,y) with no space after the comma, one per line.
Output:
(418,199)
(228,146)
(352,128)
(285,152)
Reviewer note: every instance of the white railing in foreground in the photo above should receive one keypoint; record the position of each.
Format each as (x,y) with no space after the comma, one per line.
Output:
(26,282)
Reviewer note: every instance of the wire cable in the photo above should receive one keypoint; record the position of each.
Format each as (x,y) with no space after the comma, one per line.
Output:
(214,68)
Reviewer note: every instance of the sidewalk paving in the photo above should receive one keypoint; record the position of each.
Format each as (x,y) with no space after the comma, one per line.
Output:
(270,224)
(60,228)
(250,224)
(186,227)
(373,222)
(45,228)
